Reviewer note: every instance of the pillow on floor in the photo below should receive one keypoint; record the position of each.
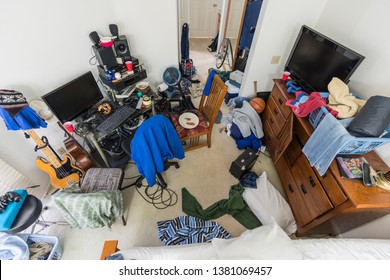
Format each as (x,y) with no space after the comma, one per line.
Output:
(266,202)
(267,242)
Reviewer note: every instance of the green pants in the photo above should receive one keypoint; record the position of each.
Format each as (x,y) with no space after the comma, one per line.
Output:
(234,206)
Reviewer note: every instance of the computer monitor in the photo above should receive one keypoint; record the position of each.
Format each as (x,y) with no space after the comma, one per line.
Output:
(74,98)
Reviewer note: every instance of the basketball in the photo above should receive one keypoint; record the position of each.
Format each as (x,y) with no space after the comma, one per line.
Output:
(258,104)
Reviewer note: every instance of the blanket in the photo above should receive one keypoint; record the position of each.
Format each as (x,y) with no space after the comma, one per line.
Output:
(89,210)
(341,100)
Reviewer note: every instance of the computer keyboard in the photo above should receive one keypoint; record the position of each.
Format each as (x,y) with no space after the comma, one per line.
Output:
(116,119)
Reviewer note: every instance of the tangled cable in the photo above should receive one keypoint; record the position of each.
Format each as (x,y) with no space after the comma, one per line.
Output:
(160,198)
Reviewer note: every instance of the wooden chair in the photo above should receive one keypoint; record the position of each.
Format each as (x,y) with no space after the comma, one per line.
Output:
(207,113)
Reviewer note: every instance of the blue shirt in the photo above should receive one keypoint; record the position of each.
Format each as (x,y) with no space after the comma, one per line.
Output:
(154,142)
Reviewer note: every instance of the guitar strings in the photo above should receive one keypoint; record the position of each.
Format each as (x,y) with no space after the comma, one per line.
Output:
(61,170)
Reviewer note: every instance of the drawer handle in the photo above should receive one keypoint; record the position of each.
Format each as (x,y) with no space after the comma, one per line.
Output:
(269,138)
(275,111)
(290,188)
(280,101)
(312,181)
(303,189)
(271,120)
(323,176)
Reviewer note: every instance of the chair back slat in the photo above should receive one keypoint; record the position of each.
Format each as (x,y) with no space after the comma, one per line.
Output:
(209,105)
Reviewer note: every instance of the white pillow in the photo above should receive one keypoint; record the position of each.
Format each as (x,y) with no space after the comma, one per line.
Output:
(267,242)
(266,202)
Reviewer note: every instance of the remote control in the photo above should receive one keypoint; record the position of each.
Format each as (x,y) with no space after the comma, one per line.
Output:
(367,180)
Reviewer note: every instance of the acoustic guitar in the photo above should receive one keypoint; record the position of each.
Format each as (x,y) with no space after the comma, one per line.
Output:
(79,154)
(62,172)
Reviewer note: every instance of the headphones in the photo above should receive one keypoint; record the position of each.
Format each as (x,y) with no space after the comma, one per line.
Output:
(105,109)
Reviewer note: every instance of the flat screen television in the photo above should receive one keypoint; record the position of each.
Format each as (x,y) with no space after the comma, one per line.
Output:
(315,59)
(74,98)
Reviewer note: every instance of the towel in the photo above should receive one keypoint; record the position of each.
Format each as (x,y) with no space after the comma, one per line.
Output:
(341,100)
(325,143)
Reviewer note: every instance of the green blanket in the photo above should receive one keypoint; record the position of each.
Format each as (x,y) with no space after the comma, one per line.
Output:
(234,205)
(92,210)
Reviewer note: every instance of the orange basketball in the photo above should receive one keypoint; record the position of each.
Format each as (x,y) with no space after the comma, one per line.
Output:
(258,104)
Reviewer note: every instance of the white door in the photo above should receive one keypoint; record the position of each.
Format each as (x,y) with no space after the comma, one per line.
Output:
(236,8)
(183,12)
(203,18)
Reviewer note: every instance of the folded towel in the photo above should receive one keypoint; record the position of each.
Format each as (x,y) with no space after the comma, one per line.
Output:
(325,143)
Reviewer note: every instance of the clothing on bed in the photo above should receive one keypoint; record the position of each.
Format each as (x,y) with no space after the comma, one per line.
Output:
(234,206)
(89,210)
(189,230)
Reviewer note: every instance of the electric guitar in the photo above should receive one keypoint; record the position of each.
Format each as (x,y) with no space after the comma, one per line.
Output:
(62,172)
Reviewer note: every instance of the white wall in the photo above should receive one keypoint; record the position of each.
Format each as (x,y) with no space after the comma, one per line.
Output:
(45,44)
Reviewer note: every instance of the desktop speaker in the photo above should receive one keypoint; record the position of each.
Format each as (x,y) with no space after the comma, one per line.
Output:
(105,56)
(114,30)
(122,49)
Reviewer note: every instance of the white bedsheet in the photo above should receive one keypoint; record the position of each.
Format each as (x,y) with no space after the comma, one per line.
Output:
(262,242)
(344,249)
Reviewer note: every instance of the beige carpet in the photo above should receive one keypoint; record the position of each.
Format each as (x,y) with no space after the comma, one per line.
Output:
(204,172)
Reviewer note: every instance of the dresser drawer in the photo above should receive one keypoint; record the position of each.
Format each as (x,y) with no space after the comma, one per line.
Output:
(276,113)
(270,119)
(270,140)
(293,151)
(297,204)
(310,188)
(331,187)
(280,102)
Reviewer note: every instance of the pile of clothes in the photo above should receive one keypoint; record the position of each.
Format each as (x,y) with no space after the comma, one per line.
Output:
(243,124)
(338,101)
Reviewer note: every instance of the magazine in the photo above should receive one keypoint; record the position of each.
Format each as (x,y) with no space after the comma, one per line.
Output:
(351,168)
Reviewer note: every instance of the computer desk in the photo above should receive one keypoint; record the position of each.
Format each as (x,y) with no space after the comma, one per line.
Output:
(94,138)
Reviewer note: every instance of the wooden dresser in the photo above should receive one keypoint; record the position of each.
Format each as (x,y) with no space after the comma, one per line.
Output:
(325,204)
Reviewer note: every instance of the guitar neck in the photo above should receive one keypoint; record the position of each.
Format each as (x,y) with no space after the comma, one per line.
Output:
(44,148)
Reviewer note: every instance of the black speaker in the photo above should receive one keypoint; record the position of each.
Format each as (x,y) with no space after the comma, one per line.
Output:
(122,48)
(105,56)
(94,36)
(114,30)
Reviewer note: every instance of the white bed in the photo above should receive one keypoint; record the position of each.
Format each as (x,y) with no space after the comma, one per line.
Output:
(267,242)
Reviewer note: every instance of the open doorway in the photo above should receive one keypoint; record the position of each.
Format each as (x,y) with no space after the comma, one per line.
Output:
(208,19)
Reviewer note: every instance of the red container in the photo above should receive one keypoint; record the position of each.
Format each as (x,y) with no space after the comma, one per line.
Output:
(106,42)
